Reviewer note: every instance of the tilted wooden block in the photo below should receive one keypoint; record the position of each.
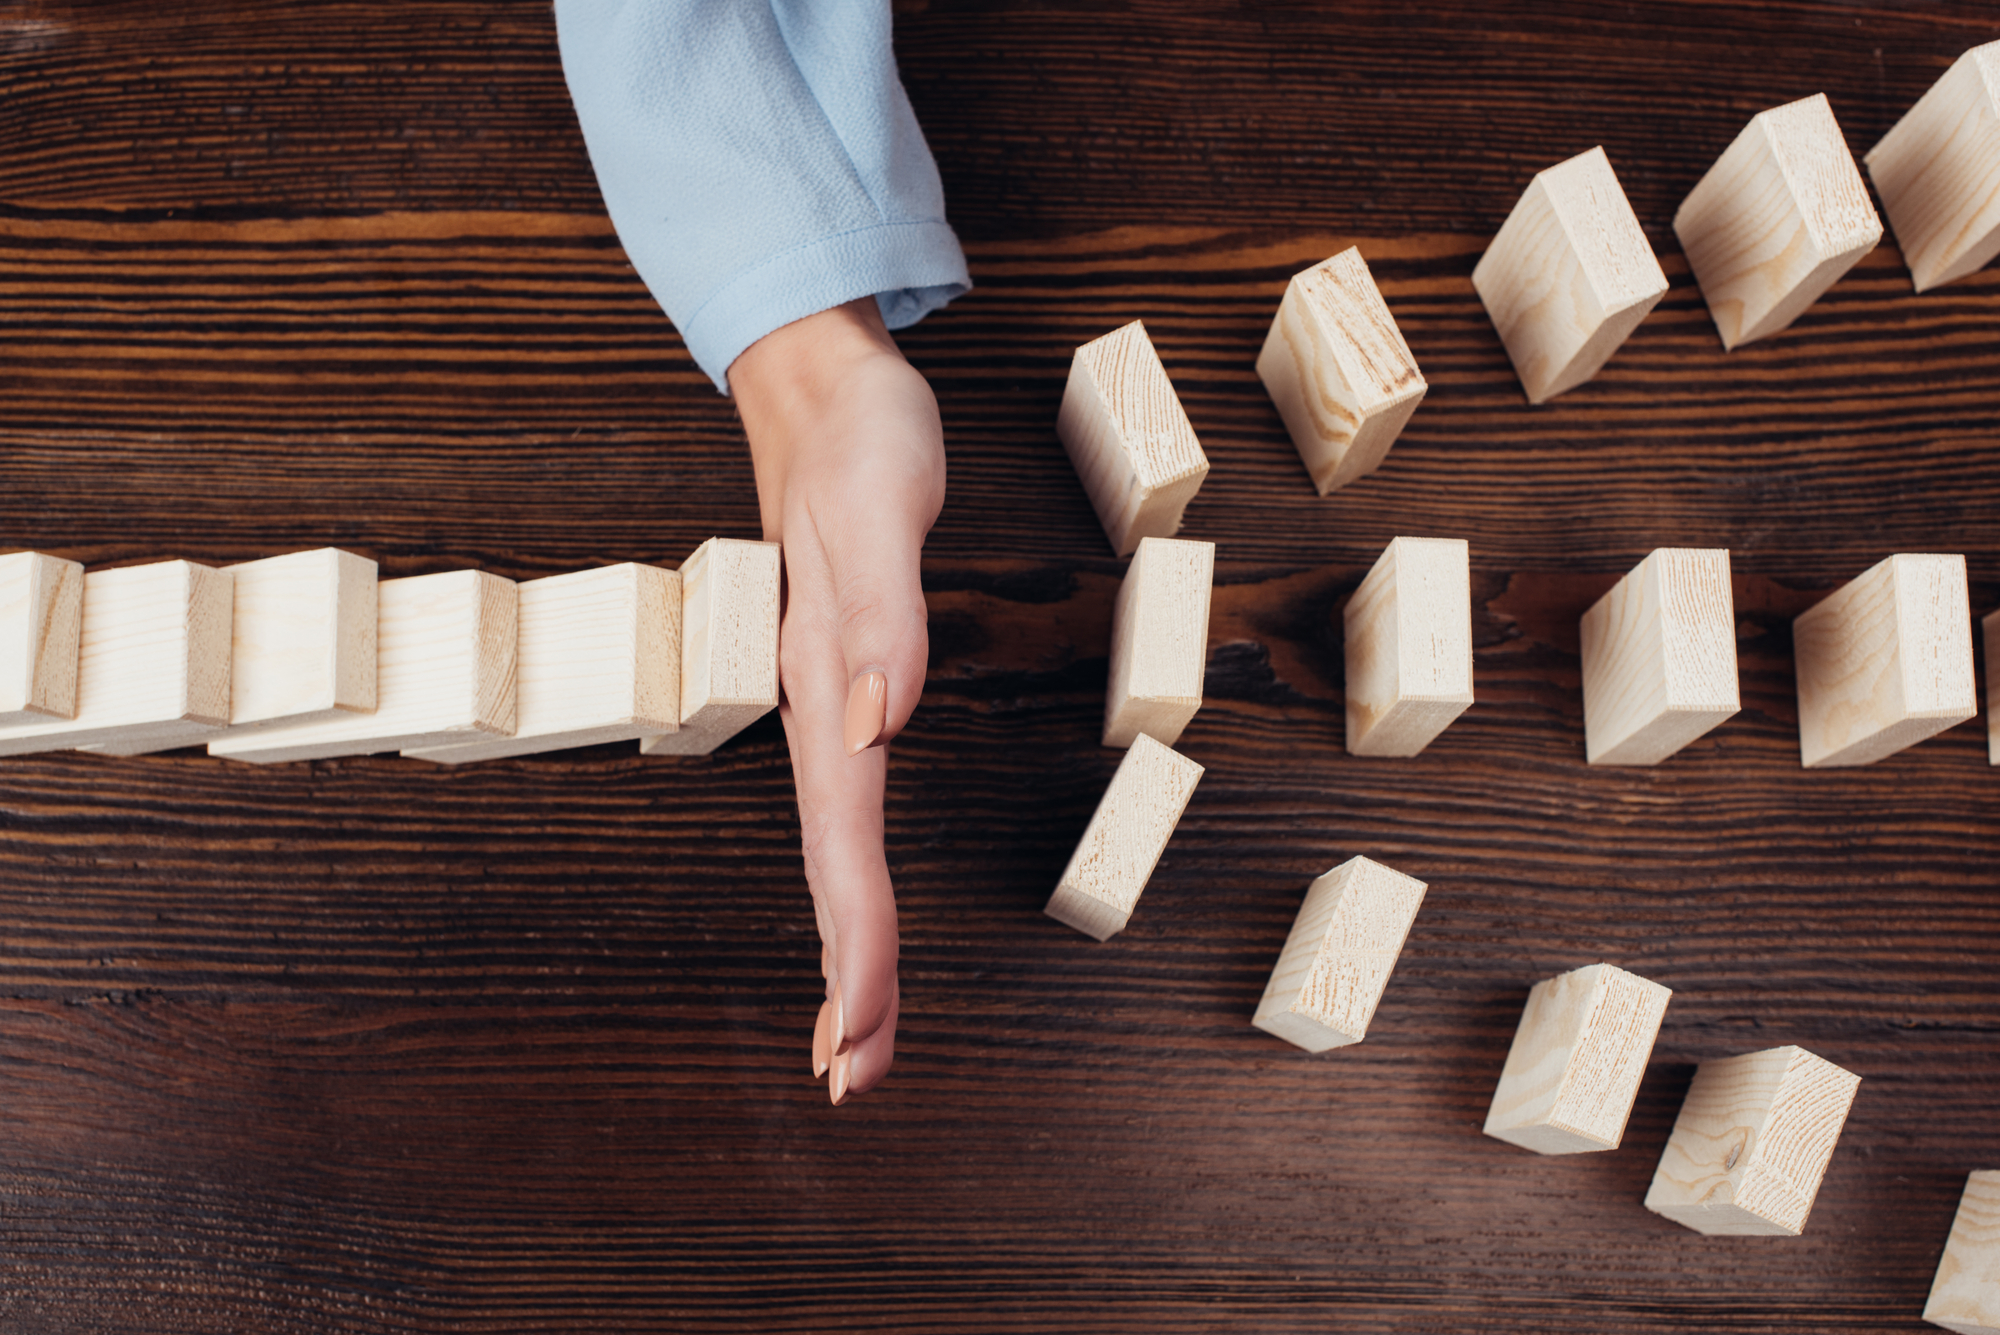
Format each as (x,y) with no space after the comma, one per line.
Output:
(1990,628)
(1780,216)
(729,645)
(1965,1296)
(1122,844)
(1751,1143)
(1132,445)
(1938,172)
(1339,371)
(41,618)
(1159,641)
(1335,964)
(1884,661)
(1569,277)
(1408,631)
(1577,1060)
(1659,657)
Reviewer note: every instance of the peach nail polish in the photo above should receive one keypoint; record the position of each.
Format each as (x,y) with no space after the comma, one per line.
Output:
(823,1039)
(839,1029)
(836,1085)
(867,710)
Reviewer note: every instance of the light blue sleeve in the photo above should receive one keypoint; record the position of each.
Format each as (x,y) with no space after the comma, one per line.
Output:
(760,161)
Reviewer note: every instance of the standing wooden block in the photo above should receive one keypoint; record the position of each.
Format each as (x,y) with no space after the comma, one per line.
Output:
(1569,277)
(1339,371)
(1990,628)
(1885,661)
(1938,172)
(1780,216)
(599,659)
(1132,445)
(1659,657)
(1124,840)
(729,645)
(1751,1144)
(1335,964)
(1577,1060)
(41,618)
(1408,632)
(1965,1296)
(1159,641)
(444,661)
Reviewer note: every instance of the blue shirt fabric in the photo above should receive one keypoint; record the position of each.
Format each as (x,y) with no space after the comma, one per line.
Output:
(760,161)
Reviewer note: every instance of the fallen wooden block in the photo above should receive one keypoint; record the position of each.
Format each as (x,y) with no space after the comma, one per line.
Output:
(1335,964)
(729,645)
(1569,277)
(1751,1144)
(1990,628)
(1965,1296)
(1780,216)
(1132,445)
(1938,172)
(41,618)
(1577,1060)
(1408,632)
(1339,371)
(1122,844)
(1884,661)
(1659,657)
(1159,641)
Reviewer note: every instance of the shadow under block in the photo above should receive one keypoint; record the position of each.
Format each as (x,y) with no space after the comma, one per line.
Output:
(444,662)
(598,660)
(41,620)
(1408,634)
(1339,371)
(1938,172)
(729,644)
(1659,657)
(1965,1296)
(1577,1060)
(1335,964)
(1569,277)
(1776,221)
(1159,641)
(1751,1144)
(1990,629)
(1884,661)
(152,661)
(1122,844)
(1133,447)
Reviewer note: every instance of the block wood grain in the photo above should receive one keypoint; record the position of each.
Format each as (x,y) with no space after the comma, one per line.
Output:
(1343,946)
(1938,172)
(1159,641)
(1122,844)
(1990,632)
(729,645)
(41,618)
(1965,1295)
(1134,450)
(1408,639)
(1659,657)
(1577,1060)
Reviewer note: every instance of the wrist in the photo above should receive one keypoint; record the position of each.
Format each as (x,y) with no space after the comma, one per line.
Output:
(795,372)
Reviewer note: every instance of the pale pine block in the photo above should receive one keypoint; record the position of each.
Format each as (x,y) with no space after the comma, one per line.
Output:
(1159,641)
(41,618)
(1569,277)
(729,645)
(1659,657)
(445,673)
(1884,661)
(1408,632)
(1130,441)
(1339,371)
(1938,172)
(599,660)
(1965,1296)
(1991,630)
(1122,844)
(1577,1060)
(1344,943)
(1776,221)
(1751,1143)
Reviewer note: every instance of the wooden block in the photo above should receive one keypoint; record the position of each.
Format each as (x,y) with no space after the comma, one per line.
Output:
(1344,943)
(444,663)
(1133,447)
(1938,172)
(729,644)
(1751,1144)
(1159,641)
(1124,840)
(1990,627)
(152,660)
(1659,657)
(1577,1060)
(1569,277)
(1780,216)
(599,660)
(1408,630)
(1884,661)
(1339,371)
(1965,1296)
(41,618)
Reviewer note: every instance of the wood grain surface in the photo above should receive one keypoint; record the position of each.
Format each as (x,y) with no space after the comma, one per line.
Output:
(370,1045)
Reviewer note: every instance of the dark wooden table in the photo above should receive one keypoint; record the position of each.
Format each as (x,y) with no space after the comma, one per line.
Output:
(364,1045)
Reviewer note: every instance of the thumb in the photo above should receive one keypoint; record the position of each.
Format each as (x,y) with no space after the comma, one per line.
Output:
(884,640)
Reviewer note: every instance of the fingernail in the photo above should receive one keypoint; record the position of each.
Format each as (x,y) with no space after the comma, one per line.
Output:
(836,1087)
(839,1030)
(823,1039)
(867,710)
